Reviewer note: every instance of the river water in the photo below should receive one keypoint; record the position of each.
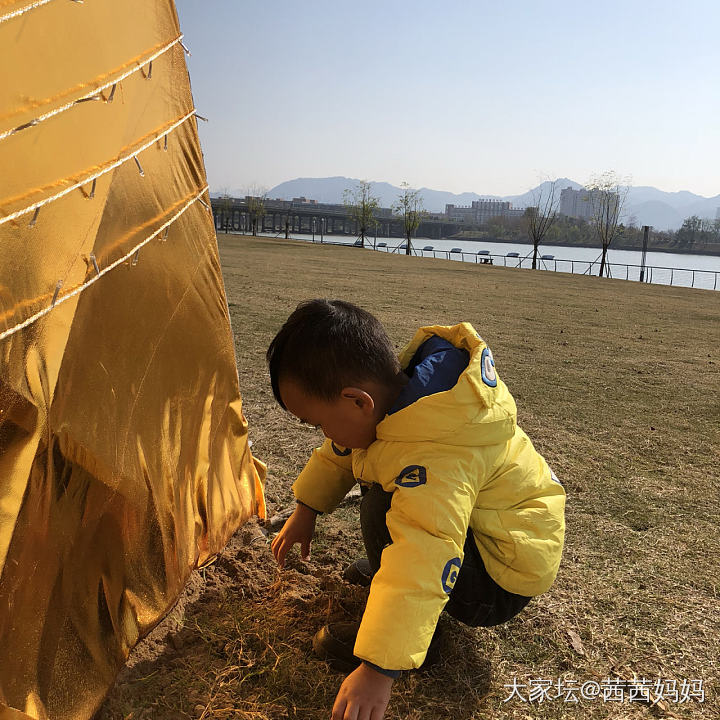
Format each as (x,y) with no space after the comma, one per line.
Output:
(699,271)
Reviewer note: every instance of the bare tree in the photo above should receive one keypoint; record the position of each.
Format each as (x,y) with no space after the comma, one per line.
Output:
(607,195)
(409,206)
(362,206)
(256,205)
(541,215)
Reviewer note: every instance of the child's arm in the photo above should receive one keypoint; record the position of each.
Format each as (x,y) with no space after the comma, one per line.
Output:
(321,485)
(428,520)
(299,528)
(326,478)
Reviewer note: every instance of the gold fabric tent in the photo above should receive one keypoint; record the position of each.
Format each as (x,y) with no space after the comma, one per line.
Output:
(124,459)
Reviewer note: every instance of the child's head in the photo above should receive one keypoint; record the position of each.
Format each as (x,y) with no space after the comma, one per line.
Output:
(332,364)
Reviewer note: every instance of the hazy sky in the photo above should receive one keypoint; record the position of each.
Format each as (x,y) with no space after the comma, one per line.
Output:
(478,96)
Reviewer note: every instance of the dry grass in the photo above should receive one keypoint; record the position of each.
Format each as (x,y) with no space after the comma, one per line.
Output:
(618,385)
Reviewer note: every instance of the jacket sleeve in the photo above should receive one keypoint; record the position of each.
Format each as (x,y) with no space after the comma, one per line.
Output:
(428,522)
(326,478)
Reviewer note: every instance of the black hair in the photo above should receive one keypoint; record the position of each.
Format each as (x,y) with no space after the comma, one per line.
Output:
(326,345)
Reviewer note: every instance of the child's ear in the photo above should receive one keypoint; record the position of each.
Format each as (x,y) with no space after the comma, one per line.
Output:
(361,399)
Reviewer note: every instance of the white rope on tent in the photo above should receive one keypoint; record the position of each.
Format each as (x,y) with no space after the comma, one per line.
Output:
(99,273)
(93,93)
(84,181)
(22,11)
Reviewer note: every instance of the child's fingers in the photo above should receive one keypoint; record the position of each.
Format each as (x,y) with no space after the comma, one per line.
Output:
(280,554)
(338,711)
(279,549)
(305,549)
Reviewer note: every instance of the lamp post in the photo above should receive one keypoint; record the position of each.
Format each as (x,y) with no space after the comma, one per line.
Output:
(646,232)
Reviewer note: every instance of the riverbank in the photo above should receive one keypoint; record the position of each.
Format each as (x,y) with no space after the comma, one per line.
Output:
(714,250)
(696,271)
(616,384)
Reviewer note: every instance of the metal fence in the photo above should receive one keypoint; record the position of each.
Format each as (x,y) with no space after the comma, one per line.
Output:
(685,277)
(658,275)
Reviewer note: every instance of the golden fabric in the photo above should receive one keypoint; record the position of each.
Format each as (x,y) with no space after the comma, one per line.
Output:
(124,459)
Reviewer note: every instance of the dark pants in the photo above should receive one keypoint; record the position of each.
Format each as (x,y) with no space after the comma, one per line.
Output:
(476,599)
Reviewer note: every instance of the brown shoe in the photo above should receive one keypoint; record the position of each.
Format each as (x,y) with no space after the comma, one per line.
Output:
(358,573)
(334,643)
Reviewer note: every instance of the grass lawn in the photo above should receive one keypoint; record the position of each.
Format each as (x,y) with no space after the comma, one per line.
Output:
(618,385)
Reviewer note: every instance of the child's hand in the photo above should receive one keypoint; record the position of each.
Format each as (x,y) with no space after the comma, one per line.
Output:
(299,528)
(364,695)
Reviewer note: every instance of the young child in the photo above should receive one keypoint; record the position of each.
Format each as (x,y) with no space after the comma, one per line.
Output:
(462,513)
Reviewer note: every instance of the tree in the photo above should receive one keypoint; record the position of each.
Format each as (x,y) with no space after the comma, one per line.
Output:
(541,215)
(256,206)
(607,195)
(409,206)
(362,206)
(697,230)
(688,233)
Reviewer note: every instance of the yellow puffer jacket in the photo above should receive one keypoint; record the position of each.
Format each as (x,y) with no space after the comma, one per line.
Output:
(454,459)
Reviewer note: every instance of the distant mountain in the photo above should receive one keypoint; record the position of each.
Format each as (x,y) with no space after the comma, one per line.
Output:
(654,212)
(331,190)
(646,205)
(677,200)
(704,207)
(666,211)
(436,200)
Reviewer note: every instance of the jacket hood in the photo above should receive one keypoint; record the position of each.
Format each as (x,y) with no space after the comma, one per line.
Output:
(478,410)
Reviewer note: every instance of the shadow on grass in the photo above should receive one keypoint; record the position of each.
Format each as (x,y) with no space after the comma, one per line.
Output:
(244,650)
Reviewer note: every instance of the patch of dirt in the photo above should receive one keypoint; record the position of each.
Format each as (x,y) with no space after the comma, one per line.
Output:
(241,563)
(238,615)
(239,643)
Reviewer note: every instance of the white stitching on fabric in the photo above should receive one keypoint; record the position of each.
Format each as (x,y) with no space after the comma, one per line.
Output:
(104,171)
(93,93)
(58,300)
(22,11)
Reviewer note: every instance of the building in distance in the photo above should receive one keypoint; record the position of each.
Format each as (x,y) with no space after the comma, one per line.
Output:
(577,203)
(480,212)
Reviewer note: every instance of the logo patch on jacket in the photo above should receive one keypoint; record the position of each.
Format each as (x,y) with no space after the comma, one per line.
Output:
(338,451)
(412,476)
(450,574)
(487,370)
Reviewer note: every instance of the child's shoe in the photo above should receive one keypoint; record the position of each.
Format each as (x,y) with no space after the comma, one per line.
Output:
(334,643)
(358,573)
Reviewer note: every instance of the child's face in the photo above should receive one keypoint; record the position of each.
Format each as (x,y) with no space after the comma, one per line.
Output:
(349,421)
